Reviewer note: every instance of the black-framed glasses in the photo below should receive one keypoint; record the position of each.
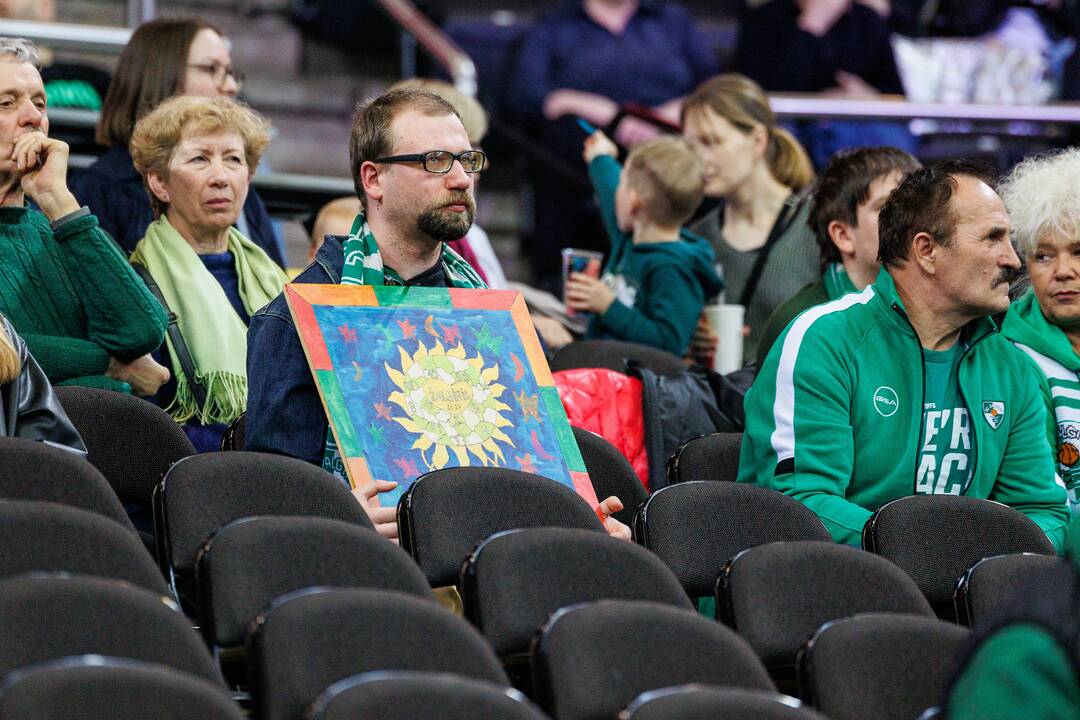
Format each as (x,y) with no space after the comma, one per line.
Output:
(219,72)
(440,161)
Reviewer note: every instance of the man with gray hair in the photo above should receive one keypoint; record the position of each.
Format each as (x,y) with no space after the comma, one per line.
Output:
(64,284)
(1043,200)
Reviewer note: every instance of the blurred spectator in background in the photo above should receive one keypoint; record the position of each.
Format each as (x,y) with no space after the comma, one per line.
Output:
(197,156)
(839,47)
(75,85)
(585,59)
(759,172)
(162,59)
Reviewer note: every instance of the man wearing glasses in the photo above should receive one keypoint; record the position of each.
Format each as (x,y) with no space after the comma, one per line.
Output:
(413,168)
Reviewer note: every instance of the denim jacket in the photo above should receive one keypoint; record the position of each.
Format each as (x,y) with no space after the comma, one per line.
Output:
(284,412)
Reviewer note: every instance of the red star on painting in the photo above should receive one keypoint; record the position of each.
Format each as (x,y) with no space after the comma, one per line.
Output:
(347,333)
(408,330)
(382,411)
(526,463)
(407,467)
(451,334)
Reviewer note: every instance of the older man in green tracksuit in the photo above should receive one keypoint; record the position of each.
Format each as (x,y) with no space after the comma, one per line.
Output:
(907,387)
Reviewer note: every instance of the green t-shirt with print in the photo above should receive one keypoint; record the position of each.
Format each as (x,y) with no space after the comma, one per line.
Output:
(945,446)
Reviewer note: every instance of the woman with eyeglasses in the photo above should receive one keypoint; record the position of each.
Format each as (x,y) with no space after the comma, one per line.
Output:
(163,58)
(197,156)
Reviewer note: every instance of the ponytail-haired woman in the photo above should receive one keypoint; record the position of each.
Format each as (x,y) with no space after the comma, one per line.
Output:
(28,407)
(759,171)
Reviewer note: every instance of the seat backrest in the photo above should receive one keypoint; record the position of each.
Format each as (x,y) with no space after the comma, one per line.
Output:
(100,688)
(201,494)
(703,702)
(311,639)
(592,660)
(445,514)
(777,595)
(36,471)
(889,667)
(49,537)
(131,441)
(514,580)
(235,434)
(697,527)
(936,538)
(614,355)
(709,457)
(47,617)
(611,473)
(251,561)
(404,695)
(994,581)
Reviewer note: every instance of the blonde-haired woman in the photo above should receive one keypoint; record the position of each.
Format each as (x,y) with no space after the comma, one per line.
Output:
(28,407)
(197,156)
(759,172)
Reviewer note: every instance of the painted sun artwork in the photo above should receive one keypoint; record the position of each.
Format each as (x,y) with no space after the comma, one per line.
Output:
(419,379)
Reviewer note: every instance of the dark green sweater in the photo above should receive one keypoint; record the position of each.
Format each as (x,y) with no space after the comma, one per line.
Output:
(73,297)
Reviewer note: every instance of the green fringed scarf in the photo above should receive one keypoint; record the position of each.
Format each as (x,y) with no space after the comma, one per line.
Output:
(215,335)
(364,266)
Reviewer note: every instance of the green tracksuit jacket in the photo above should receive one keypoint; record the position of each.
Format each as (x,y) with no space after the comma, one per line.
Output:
(1059,374)
(834,418)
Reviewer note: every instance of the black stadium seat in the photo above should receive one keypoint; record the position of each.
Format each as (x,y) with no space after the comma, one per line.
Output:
(614,355)
(309,640)
(703,702)
(709,457)
(592,660)
(446,513)
(697,527)
(611,473)
(936,538)
(404,695)
(994,582)
(99,688)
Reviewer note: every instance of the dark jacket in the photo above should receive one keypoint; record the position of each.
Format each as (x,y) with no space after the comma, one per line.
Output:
(284,412)
(29,408)
(114,192)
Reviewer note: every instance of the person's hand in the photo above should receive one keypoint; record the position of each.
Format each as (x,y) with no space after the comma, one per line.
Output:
(144,374)
(632,130)
(818,16)
(552,332)
(703,344)
(614,528)
(586,293)
(42,162)
(598,144)
(597,109)
(383,518)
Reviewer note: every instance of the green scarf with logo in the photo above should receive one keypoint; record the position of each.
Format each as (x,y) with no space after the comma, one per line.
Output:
(215,335)
(364,266)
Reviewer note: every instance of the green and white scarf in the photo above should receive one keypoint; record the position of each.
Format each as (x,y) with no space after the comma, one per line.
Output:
(364,266)
(215,335)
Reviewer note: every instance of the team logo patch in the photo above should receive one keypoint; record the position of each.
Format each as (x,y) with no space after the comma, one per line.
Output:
(885,401)
(994,412)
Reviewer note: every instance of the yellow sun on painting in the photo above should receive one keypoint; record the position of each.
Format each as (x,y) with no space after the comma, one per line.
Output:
(452,402)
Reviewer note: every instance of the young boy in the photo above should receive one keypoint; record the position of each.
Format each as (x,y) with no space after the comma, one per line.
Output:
(658,275)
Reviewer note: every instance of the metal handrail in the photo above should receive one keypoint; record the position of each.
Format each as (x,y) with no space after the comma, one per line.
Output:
(68,36)
(817,107)
(435,42)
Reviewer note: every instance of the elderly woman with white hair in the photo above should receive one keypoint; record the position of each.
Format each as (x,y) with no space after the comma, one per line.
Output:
(1042,195)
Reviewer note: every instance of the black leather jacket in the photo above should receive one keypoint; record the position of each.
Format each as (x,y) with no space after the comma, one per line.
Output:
(29,408)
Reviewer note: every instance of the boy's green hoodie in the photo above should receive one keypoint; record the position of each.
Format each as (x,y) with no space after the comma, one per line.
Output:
(660,288)
(835,416)
(1059,372)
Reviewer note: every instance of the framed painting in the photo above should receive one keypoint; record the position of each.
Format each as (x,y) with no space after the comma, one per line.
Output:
(418,379)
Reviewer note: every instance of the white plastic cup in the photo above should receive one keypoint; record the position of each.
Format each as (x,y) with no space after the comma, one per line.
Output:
(726,322)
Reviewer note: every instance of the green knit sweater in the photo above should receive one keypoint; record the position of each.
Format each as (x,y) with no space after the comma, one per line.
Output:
(73,297)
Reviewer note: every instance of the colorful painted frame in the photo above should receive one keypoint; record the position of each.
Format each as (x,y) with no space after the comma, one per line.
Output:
(416,379)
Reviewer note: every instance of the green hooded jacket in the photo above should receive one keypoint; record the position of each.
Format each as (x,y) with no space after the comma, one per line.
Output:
(835,416)
(1059,372)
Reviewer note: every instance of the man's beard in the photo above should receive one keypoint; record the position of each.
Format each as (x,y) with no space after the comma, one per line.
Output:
(443,225)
